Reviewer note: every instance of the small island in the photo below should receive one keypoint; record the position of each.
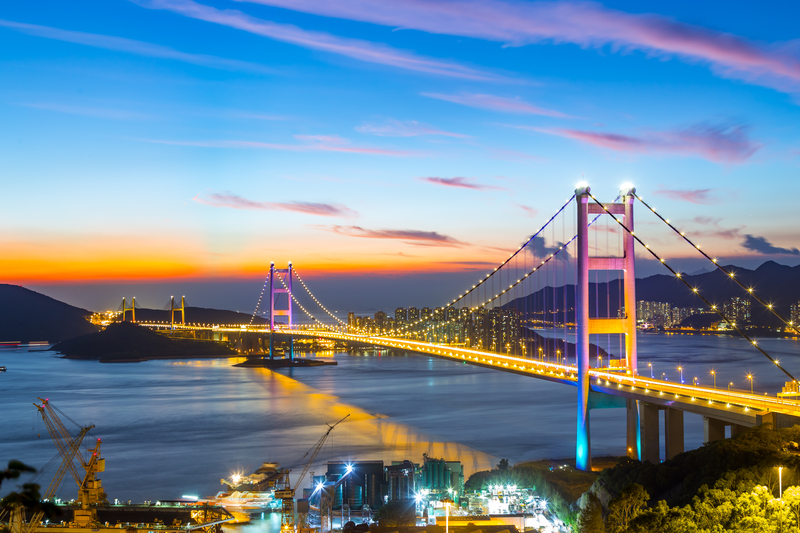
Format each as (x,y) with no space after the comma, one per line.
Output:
(125,342)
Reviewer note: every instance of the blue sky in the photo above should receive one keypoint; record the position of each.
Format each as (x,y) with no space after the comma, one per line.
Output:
(162,142)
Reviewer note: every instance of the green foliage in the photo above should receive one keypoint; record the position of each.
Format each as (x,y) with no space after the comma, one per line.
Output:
(625,507)
(750,458)
(503,465)
(27,498)
(396,513)
(590,518)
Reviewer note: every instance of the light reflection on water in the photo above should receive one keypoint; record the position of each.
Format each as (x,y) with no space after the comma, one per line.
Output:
(171,428)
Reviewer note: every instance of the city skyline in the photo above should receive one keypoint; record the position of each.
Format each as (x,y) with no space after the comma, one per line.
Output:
(168,144)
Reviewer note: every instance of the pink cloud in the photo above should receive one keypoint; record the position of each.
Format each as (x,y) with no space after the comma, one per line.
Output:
(696,196)
(587,24)
(415,237)
(120,44)
(408,128)
(496,103)
(723,144)
(232,201)
(529,211)
(352,48)
(464,183)
(320,143)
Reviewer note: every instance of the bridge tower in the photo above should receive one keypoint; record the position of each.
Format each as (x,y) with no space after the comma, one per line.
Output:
(588,326)
(173,310)
(132,309)
(273,312)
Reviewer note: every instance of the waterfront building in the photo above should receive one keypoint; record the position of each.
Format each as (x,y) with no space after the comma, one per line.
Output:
(400,315)
(426,313)
(413,314)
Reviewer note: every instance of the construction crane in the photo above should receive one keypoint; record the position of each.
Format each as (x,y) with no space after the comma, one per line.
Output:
(90,491)
(287,493)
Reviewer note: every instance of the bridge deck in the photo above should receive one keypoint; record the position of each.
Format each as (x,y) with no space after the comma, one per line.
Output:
(733,406)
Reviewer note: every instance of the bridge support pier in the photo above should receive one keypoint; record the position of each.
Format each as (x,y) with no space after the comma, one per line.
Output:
(634,436)
(648,422)
(673,432)
(713,429)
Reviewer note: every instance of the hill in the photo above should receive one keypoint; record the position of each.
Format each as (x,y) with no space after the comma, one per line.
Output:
(774,283)
(125,341)
(27,316)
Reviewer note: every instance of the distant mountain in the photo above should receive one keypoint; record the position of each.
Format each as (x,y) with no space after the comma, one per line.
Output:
(773,283)
(27,316)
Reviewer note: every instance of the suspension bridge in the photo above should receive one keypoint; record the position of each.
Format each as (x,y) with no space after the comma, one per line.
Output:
(546,312)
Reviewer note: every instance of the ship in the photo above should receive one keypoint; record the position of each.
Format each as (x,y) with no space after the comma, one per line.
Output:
(266,478)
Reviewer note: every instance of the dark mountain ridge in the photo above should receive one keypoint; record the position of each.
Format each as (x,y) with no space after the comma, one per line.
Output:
(27,316)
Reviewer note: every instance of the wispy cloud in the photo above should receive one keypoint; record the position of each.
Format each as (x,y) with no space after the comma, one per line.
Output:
(88,111)
(694,196)
(763,246)
(529,211)
(722,144)
(415,237)
(588,24)
(496,103)
(353,48)
(713,229)
(464,183)
(120,44)
(408,128)
(232,201)
(312,143)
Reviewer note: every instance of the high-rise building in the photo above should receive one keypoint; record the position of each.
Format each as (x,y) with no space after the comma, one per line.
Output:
(438,314)
(426,313)
(351,320)
(380,316)
(413,314)
(794,314)
(400,315)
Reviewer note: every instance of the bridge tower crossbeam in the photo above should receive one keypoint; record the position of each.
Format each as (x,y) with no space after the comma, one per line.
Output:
(587,326)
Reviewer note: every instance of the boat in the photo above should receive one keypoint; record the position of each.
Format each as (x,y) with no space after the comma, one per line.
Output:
(265,479)
(2,369)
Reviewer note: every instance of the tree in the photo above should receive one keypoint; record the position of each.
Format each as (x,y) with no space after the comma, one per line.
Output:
(502,465)
(590,518)
(29,497)
(626,506)
(397,513)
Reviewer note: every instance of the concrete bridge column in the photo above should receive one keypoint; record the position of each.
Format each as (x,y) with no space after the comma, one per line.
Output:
(583,450)
(713,429)
(648,422)
(673,432)
(633,440)
(736,429)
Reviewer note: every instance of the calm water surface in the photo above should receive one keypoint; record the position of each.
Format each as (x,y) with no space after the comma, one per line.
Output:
(173,428)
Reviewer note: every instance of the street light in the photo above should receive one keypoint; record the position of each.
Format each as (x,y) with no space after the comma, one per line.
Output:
(750,377)
(681,369)
(663,376)
(780,482)
(715,378)
(729,391)
(651,369)
(447,502)
(694,381)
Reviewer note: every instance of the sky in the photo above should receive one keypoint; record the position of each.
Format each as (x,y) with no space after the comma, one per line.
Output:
(392,151)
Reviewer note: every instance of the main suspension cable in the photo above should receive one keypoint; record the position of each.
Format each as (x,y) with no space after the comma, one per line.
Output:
(315,298)
(727,272)
(301,305)
(260,297)
(694,289)
(490,274)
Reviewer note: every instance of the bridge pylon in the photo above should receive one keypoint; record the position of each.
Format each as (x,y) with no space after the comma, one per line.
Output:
(587,326)
(274,290)
(132,309)
(173,310)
